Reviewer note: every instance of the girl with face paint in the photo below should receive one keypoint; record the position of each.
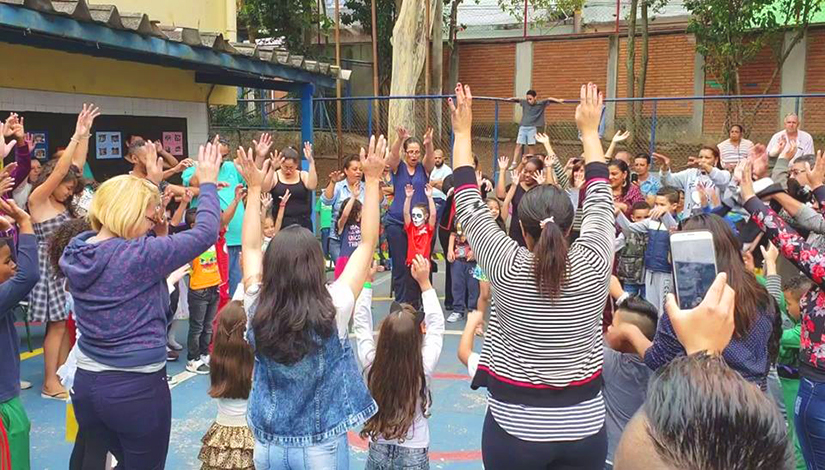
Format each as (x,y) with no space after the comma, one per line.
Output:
(419,225)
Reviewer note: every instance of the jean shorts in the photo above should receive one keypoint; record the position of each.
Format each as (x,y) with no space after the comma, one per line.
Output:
(526,135)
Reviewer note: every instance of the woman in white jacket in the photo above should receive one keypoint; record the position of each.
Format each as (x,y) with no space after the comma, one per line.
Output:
(708,173)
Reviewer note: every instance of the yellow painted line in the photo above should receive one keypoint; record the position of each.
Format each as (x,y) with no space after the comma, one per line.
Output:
(29,355)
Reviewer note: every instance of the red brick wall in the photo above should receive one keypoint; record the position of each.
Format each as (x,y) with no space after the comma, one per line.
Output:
(813,109)
(669,72)
(490,70)
(754,78)
(560,67)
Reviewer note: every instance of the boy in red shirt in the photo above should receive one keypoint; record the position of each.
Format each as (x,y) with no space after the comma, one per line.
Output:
(419,224)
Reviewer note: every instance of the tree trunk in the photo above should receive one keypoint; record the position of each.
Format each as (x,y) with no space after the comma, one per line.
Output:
(452,75)
(640,82)
(408,51)
(437,63)
(630,66)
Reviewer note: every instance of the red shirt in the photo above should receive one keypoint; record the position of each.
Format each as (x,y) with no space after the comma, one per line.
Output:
(419,241)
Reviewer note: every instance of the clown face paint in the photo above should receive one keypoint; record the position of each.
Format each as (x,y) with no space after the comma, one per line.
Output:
(417,216)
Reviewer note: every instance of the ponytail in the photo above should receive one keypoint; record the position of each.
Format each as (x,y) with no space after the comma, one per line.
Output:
(546,214)
(550,267)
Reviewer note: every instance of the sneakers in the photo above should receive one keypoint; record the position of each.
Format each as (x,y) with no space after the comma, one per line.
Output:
(197,367)
(454,317)
(171,355)
(205,359)
(25,385)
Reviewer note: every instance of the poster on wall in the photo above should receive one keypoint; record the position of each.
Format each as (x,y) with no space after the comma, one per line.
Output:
(173,143)
(108,145)
(41,145)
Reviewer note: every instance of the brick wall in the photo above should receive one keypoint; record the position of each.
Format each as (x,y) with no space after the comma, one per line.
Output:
(560,67)
(669,73)
(813,117)
(489,70)
(754,78)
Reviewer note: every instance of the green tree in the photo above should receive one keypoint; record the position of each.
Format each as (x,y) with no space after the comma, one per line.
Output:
(546,10)
(385,14)
(294,21)
(730,33)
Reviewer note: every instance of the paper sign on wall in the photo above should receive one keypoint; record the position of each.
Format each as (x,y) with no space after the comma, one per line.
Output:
(41,145)
(108,145)
(173,143)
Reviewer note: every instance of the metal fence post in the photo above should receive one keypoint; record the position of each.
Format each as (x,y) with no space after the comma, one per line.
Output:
(653,120)
(796,106)
(307,90)
(369,118)
(495,140)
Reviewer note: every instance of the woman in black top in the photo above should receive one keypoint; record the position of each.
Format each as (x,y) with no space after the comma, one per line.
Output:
(300,184)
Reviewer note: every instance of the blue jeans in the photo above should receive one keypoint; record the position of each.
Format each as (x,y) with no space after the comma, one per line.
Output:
(234,268)
(465,286)
(325,242)
(397,238)
(203,305)
(635,289)
(392,457)
(330,455)
(809,417)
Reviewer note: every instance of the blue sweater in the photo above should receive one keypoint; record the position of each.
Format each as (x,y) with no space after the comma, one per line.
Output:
(11,293)
(119,287)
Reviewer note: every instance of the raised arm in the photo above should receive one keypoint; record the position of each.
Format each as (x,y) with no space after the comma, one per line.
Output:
(433,315)
(27,275)
(251,236)
(501,179)
(511,193)
(362,328)
(81,152)
(229,212)
(428,190)
(22,154)
(328,196)
(310,177)
(465,344)
(177,217)
(279,219)
(409,191)
(618,137)
(344,216)
(429,152)
(360,262)
(401,134)
(262,147)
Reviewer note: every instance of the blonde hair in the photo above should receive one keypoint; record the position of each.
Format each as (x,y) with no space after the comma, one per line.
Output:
(120,205)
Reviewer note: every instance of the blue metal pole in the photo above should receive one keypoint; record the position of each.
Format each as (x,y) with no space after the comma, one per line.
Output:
(495,141)
(369,118)
(653,120)
(307,90)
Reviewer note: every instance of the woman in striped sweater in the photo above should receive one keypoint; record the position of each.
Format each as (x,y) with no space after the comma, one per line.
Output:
(542,356)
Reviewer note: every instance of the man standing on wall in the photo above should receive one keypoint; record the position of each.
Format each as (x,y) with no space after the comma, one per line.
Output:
(532,117)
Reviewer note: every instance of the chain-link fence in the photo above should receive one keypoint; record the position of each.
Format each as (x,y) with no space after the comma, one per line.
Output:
(676,126)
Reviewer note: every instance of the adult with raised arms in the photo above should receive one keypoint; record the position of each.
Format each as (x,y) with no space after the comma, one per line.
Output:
(542,356)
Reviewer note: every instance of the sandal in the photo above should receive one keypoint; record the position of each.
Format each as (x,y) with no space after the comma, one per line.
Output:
(54,396)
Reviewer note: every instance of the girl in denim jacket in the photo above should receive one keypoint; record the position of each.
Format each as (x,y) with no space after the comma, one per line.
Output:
(398,371)
(307,390)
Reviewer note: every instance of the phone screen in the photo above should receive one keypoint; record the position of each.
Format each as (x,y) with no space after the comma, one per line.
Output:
(694,266)
(634,178)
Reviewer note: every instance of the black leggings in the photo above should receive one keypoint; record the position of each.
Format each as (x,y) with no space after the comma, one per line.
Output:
(500,450)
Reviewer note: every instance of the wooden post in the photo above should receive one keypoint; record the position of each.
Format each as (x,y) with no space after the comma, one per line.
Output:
(338,81)
(376,105)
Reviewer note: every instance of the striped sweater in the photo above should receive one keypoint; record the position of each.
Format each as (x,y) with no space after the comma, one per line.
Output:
(542,359)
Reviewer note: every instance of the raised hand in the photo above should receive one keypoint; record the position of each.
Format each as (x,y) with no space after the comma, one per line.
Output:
(308,153)
(6,183)
(409,191)
(403,133)
(663,161)
(372,159)
(266,201)
(428,137)
(275,160)
(85,120)
(461,110)
(184,164)
(154,164)
(356,191)
(620,136)
(790,150)
(240,192)
(420,270)
(10,122)
(187,197)
(746,184)
(550,160)
(336,176)
(540,177)
(8,169)
(503,163)
(708,327)
(816,175)
(589,110)
(771,254)
(428,191)
(245,163)
(285,198)
(29,141)
(515,176)
(263,145)
(10,208)
(542,138)
(209,162)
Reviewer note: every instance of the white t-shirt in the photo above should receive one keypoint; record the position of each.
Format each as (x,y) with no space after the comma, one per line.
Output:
(804,143)
(21,193)
(731,153)
(439,174)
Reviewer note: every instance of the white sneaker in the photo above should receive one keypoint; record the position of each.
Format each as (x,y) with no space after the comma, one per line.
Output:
(25,385)
(454,317)
(197,367)
(170,341)
(205,359)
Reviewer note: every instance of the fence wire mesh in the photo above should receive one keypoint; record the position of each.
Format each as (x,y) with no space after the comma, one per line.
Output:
(672,126)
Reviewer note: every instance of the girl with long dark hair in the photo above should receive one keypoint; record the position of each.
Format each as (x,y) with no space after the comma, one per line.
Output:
(747,352)
(398,370)
(518,188)
(542,356)
(307,390)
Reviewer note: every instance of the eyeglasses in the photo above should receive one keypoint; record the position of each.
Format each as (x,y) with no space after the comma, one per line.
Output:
(413,152)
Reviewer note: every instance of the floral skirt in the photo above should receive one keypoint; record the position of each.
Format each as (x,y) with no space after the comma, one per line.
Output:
(227,447)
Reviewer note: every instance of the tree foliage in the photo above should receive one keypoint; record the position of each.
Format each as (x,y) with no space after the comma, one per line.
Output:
(545,10)
(385,13)
(293,21)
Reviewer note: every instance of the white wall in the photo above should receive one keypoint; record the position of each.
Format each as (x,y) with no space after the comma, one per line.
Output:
(197,121)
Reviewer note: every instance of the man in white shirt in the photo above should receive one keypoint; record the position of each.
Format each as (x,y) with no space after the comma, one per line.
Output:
(437,176)
(804,142)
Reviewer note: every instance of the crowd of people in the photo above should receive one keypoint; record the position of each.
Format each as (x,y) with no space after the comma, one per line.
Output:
(562,264)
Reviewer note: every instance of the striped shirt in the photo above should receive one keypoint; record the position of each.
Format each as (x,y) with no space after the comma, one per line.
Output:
(731,153)
(542,358)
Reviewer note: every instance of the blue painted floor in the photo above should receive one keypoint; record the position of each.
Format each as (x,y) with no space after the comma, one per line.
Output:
(455,424)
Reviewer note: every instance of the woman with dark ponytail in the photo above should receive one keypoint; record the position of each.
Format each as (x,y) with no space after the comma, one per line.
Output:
(542,356)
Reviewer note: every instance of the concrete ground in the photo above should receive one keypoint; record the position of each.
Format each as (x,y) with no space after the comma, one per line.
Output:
(455,424)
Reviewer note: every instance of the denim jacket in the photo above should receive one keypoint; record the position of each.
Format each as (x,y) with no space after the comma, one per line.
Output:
(315,399)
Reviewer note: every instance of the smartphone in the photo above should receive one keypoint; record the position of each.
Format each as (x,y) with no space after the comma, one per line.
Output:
(634,178)
(694,266)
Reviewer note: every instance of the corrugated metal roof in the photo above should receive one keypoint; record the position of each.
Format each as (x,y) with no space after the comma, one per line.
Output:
(140,23)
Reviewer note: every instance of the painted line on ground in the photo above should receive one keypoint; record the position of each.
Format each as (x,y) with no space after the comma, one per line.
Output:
(31,354)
